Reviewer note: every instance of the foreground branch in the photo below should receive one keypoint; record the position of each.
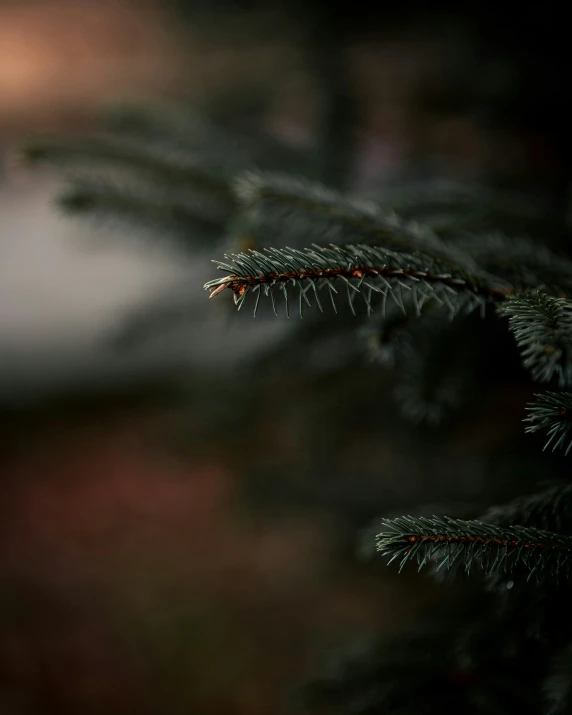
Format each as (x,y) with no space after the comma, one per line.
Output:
(364,270)
(464,543)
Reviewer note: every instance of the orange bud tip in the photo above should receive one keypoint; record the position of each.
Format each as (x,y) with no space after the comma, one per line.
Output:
(217,290)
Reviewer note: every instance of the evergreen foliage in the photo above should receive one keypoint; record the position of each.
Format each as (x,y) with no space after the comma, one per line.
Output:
(542,326)
(552,413)
(421,274)
(432,277)
(492,548)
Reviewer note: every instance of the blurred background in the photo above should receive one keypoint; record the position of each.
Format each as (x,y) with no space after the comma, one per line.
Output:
(178,535)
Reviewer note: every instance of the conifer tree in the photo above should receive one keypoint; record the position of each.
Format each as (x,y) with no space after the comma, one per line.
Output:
(428,278)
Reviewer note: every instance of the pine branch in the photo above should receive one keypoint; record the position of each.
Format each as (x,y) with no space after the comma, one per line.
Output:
(298,210)
(552,412)
(490,547)
(367,547)
(542,326)
(364,270)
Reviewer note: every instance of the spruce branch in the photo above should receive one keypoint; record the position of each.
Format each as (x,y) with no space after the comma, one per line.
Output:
(295,209)
(363,269)
(552,412)
(457,542)
(542,326)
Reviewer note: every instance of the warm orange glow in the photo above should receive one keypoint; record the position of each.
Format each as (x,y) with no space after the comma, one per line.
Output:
(63,55)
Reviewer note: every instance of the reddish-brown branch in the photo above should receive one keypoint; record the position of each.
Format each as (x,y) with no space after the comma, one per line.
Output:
(512,543)
(239,284)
